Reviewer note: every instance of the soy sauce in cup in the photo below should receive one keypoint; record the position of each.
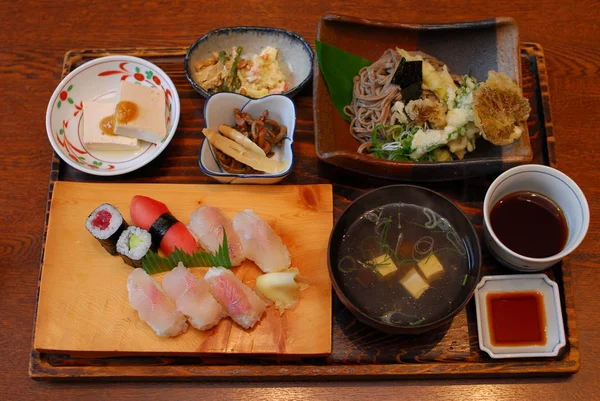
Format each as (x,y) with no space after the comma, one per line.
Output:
(530,224)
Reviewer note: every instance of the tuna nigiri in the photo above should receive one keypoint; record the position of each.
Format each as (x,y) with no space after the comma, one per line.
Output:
(261,244)
(192,297)
(153,305)
(238,300)
(208,223)
(166,230)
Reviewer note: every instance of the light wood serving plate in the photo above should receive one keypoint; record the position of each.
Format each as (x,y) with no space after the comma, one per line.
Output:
(83,304)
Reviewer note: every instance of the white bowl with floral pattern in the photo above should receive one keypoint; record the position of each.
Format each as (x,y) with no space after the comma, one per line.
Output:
(99,79)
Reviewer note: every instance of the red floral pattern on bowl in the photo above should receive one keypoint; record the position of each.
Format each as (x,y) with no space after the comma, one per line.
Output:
(99,79)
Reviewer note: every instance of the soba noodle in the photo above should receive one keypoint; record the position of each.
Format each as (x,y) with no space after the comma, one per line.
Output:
(374,96)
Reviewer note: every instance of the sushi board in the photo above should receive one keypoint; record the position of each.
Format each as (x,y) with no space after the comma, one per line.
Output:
(83,302)
(357,351)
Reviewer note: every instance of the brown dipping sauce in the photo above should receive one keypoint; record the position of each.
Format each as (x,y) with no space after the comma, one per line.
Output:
(529,224)
(516,318)
(125,112)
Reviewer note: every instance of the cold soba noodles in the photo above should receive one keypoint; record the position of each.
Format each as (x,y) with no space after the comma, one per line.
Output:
(403,264)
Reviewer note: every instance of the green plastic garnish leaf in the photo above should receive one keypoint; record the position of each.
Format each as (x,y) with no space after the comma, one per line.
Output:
(339,69)
(154,263)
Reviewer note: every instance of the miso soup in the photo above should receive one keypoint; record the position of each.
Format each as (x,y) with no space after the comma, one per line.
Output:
(403,264)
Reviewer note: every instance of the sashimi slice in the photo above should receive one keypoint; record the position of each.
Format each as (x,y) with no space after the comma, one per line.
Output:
(207,224)
(192,297)
(154,306)
(238,300)
(145,211)
(261,244)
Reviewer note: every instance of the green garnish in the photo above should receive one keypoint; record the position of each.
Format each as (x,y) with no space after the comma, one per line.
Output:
(134,241)
(465,279)
(339,69)
(153,263)
(421,320)
(223,57)
(235,80)
(347,264)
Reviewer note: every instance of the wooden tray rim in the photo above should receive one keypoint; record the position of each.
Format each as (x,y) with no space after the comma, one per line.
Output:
(41,369)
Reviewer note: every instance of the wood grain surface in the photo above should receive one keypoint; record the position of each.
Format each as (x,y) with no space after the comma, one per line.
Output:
(83,302)
(35,37)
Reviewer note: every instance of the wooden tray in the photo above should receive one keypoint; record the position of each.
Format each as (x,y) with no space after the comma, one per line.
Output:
(357,350)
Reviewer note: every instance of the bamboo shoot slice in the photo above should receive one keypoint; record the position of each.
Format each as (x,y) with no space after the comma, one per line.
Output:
(240,138)
(243,155)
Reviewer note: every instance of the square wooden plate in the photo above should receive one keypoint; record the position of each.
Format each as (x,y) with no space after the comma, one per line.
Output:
(475,47)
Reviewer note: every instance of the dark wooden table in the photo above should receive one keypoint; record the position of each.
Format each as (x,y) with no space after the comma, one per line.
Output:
(36,35)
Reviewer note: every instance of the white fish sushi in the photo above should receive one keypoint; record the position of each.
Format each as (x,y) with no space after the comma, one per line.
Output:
(261,244)
(207,224)
(238,300)
(192,297)
(153,305)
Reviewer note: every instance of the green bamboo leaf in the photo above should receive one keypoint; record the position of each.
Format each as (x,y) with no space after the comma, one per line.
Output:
(339,69)
(154,263)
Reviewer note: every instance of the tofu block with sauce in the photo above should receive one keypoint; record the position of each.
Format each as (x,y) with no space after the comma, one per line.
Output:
(94,138)
(414,283)
(384,265)
(146,120)
(431,268)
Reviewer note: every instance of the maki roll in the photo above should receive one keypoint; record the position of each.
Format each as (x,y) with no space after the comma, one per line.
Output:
(106,224)
(133,245)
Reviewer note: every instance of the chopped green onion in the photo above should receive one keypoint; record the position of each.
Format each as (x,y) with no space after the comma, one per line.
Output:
(347,269)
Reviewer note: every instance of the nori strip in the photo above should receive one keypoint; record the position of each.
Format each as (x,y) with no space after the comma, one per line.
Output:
(409,76)
(412,92)
(132,262)
(159,228)
(110,244)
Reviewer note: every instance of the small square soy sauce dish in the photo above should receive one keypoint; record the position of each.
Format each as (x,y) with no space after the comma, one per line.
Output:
(519,316)
(219,110)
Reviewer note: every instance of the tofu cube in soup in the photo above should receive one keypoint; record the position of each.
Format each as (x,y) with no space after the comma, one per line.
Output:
(414,283)
(384,265)
(431,268)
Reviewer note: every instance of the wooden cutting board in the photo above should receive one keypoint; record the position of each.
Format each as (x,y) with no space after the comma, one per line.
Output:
(83,302)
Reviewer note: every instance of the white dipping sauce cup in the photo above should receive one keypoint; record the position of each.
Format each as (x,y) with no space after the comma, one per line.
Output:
(554,185)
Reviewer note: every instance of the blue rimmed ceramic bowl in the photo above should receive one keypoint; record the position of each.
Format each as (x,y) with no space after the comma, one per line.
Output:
(218,110)
(295,55)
